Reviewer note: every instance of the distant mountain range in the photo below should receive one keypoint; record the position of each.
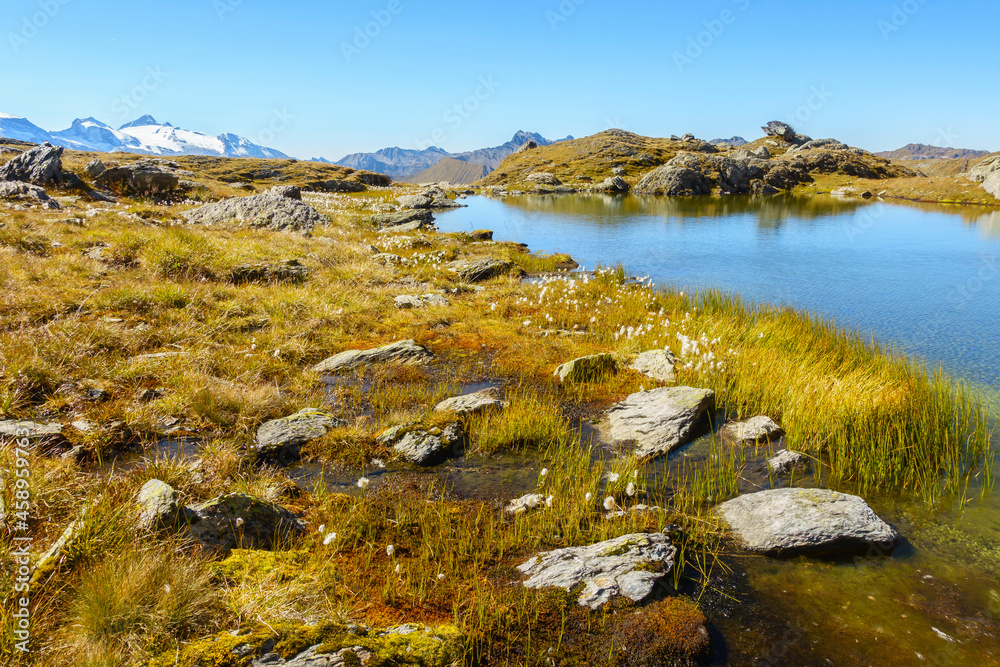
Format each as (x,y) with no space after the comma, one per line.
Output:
(457,172)
(404,163)
(142,135)
(925,152)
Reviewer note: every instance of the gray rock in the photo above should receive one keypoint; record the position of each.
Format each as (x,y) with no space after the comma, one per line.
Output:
(657,364)
(543,177)
(486,268)
(158,507)
(987,173)
(687,137)
(397,218)
(290,271)
(618,171)
(526,503)
(758,153)
(776,128)
(27,193)
(277,209)
(143,178)
(808,522)
(335,185)
(345,657)
(661,420)
(423,447)
(815,144)
(631,566)
(785,461)
(283,439)
(586,369)
(42,165)
(444,202)
(26,429)
(238,520)
(614,184)
(403,352)
(409,301)
(414,201)
(471,404)
(752,431)
(698,174)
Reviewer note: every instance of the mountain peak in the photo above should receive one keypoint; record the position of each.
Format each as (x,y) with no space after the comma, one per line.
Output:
(142,121)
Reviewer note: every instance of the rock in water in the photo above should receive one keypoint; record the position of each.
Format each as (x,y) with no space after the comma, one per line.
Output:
(785,460)
(241,521)
(656,364)
(631,566)
(282,439)
(278,209)
(421,446)
(478,270)
(471,404)
(660,420)
(586,369)
(614,184)
(158,506)
(403,352)
(42,165)
(814,522)
(752,431)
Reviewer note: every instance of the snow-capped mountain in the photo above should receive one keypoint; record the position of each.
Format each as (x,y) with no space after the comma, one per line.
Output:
(142,135)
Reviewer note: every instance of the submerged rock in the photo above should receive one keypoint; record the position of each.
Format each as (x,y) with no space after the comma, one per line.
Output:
(283,439)
(660,420)
(752,431)
(279,209)
(630,566)
(238,520)
(471,404)
(815,522)
(784,461)
(403,352)
(589,368)
(656,364)
(486,268)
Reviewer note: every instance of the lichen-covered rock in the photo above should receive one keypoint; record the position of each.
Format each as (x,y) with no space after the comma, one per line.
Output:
(755,430)
(49,562)
(283,439)
(485,268)
(147,177)
(397,218)
(660,420)
(158,507)
(240,520)
(32,431)
(657,364)
(631,566)
(471,404)
(279,209)
(401,352)
(614,184)
(814,522)
(587,369)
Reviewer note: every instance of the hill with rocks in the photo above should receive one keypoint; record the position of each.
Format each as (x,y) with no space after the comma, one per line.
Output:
(926,152)
(451,170)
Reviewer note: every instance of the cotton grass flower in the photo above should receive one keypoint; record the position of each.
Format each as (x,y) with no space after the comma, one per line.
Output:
(390,550)
(363,483)
(545,471)
(322,528)
(613,477)
(609,503)
(588,497)
(329,538)
(549,500)
(630,489)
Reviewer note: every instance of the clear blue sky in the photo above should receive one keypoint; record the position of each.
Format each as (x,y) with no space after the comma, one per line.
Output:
(887,73)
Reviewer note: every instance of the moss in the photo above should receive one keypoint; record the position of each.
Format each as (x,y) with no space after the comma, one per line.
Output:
(243,563)
(669,630)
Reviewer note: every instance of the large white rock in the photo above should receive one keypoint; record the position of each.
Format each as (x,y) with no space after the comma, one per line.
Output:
(404,351)
(656,364)
(660,420)
(807,521)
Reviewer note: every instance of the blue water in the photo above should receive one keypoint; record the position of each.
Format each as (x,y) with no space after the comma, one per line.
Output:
(922,278)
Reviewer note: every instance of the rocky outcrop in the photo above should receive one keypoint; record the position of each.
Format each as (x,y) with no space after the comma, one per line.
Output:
(485,268)
(407,301)
(656,364)
(471,404)
(660,420)
(278,209)
(815,522)
(27,194)
(631,566)
(826,144)
(283,439)
(760,429)
(614,184)
(422,446)
(401,352)
(148,177)
(42,165)
(776,128)
(586,369)
(290,271)
(240,520)
(987,173)
(397,218)
(699,174)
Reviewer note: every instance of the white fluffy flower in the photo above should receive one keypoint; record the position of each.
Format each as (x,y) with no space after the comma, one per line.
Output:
(588,497)
(390,550)
(322,528)
(548,501)
(363,483)
(609,503)
(545,471)
(630,489)
(329,538)
(612,477)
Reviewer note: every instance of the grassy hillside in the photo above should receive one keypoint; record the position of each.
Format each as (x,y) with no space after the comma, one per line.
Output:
(451,170)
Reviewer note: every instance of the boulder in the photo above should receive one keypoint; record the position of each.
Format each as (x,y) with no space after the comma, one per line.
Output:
(543,177)
(471,404)
(423,447)
(481,235)
(414,201)
(827,144)
(656,364)
(444,202)
(758,153)
(278,209)
(631,566)
(290,271)
(485,268)
(785,461)
(238,520)
(814,522)
(158,507)
(526,503)
(752,431)
(406,301)
(282,439)
(527,146)
(403,352)
(397,218)
(142,178)
(614,184)
(776,128)
(696,174)
(987,173)
(26,193)
(687,137)
(586,369)
(42,165)
(660,420)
